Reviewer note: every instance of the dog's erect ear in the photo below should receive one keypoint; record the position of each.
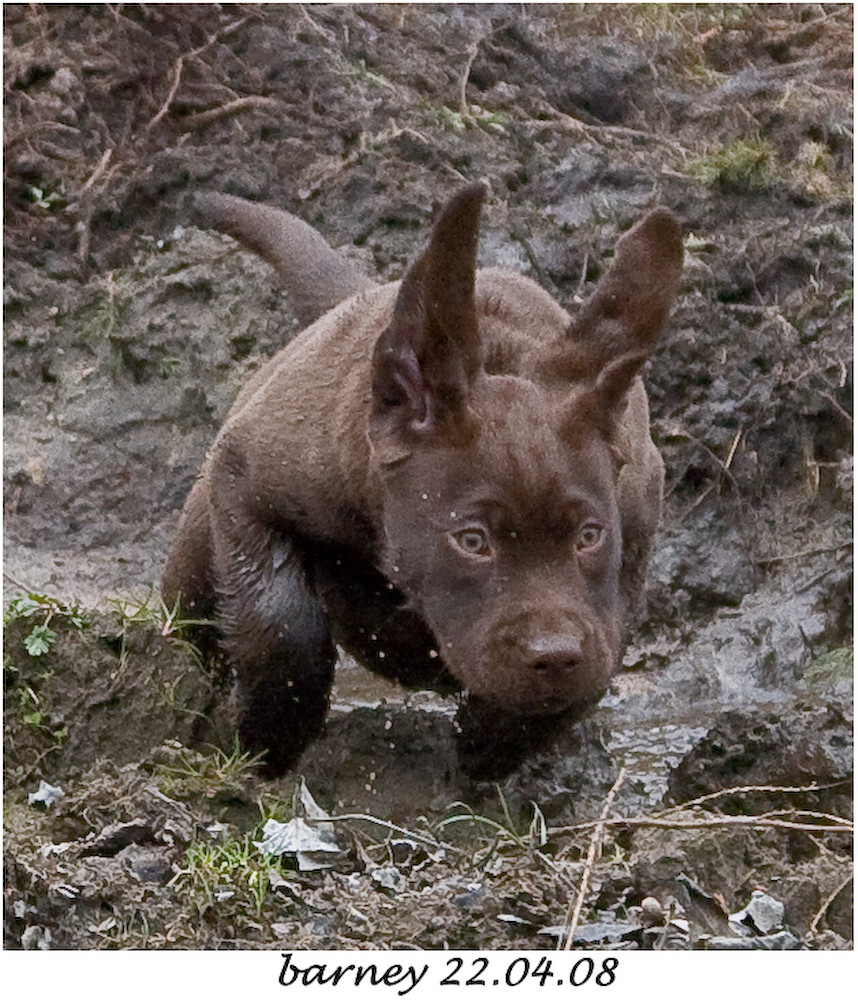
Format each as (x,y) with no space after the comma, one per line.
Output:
(426,359)
(617,328)
(628,309)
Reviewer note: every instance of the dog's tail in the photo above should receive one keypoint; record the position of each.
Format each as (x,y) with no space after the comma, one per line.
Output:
(316,277)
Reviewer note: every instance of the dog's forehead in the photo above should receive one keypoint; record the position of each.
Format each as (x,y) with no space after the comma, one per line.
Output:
(521,453)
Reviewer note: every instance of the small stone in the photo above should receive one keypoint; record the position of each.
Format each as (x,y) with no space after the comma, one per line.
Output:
(390,879)
(147,864)
(651,912)
(63,81)
(36,938)
(763,913)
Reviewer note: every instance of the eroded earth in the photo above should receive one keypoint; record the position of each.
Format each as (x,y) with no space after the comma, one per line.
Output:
(721,758)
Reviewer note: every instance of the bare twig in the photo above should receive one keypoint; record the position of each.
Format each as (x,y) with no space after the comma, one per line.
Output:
(820,913)
(27,133)
(828,823)
(745,789)
(735,444)
(533,260)
(843,413)
(463,80)
(682,433)
(597,131)
(366,818)
(804,553)
(100,167)
(595,844)
(836,824)
(179,67)
(18,583)
(202,118)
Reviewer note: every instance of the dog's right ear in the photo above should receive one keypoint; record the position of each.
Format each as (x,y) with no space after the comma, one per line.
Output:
(427,358)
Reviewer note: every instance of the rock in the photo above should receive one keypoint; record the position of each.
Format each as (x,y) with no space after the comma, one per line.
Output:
(783,941)
(45,795)
(36,938)
(763,914)
(748,747)
(116,836)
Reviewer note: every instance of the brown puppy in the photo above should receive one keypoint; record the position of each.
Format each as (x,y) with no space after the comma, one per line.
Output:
(446,475)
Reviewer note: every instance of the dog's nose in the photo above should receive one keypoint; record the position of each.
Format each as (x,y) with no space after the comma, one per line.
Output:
(561,652)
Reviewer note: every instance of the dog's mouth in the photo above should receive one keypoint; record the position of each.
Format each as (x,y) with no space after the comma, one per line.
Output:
(571,709)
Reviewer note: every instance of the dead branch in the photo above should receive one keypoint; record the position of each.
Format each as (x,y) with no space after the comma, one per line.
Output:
(19,583)
(820,913)
(804,553)
(680,432)
(836,824)
(843,413)
(745,789)
(599,131)
(473,48)
(179,66)
(100,167)
(250,103)
(25,134)
(367,818)
(595,845)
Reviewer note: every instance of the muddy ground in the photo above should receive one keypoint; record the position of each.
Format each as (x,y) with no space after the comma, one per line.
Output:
(128,332)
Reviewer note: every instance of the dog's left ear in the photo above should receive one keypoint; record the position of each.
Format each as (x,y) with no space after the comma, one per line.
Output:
(427,358)
(618,327)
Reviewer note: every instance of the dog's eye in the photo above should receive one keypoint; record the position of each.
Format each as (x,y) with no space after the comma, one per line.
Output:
(589,535)
(472,542)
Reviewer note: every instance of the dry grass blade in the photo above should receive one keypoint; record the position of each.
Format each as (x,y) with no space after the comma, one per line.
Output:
(805,553)
(393,827)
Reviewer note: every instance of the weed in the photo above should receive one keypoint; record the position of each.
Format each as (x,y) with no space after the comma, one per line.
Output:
(358,69)
(813,168)
(169,366)
(457,121)
(834,665)
(41,637)
(40,640)
(105,318)
(685,24)
(126,931)
(215,774)
(743,165)
(217,871)
(45,200)
(506,834)
(152,610)
(33,713)
(30,604)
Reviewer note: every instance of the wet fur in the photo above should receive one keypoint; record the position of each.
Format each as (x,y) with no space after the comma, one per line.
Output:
(410,423)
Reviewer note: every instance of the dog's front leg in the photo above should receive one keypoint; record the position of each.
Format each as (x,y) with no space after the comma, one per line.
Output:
(274,628)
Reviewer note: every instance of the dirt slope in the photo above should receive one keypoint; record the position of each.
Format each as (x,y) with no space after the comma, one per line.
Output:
(128,332)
